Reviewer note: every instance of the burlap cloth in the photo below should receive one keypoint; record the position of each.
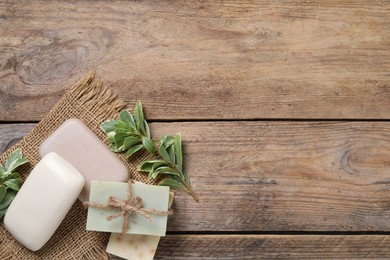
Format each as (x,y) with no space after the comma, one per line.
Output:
(92,103)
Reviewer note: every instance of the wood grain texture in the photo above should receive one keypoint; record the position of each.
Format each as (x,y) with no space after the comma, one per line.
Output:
(11,134)
(281,176)
(273,247)
(201,59)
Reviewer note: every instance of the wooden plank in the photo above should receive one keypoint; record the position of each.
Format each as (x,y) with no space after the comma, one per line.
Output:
(201,59)
(280,176)
(11,134)
(273,247)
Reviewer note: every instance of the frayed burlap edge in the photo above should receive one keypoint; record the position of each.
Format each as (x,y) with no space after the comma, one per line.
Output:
(92,103)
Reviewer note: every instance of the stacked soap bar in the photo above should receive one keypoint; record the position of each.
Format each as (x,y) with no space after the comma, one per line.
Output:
(132,246)
(76,143)
(43,201)
(155,197)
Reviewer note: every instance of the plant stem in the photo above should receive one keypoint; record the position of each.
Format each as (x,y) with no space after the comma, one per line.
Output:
(189,190)
(188,187)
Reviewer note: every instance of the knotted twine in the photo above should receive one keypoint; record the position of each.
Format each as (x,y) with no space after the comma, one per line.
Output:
(126,208)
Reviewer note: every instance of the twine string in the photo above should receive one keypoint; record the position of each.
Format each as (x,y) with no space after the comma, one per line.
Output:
(132,205)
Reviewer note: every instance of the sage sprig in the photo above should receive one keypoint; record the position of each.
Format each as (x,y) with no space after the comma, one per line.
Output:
(10,180)
(131,134)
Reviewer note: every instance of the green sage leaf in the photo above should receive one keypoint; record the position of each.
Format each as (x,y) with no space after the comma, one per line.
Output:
(171,183)
(139,115)
(110,137)
(119,139)
(108,126)
(15,160)
(126,117)
(164,154)
(18,163)
(9,197)
(167,140)
(185,176)
(133,150)
(178,152)
(3,191)
(161,170)
(2,170)
(13,184)
(131,141)
(122,127)
(155,169)
(14,175)
(147,129)
(114,148)
(12,158)
(2,213)
(149,145)
(171,152)
(167,170)
(146,166)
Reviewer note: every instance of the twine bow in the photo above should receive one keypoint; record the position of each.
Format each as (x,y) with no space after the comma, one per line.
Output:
(126,208)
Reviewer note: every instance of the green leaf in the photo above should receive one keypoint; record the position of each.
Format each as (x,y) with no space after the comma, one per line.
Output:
(15,160)
(9,197)
(167,140)
(161,170)
(119,139)
(167,170)
(147,129)
(114,148)
(176,178)
(154,172)
(12,158)
(164,154)
(133,150)
(185,176)
(131,141)
(14,175)
(2,170)
(139,115)
(110,137)
(171,152)
(13,184)
(108,126)
(126,117)
(149,145)
(3,191)
(146,166)
(122,127)
(178,152)
(2,213)
(171,183)
(18,163)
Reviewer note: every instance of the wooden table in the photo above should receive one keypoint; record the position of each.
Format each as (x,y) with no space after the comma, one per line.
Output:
(284,108)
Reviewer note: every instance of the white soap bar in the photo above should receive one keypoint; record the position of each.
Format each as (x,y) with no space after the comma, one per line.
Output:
(77,144)
(134,247)
(43,201)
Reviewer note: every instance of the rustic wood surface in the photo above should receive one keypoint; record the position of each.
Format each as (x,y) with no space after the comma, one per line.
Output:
(278,176)
(273,247)
(201,59)
(284,109)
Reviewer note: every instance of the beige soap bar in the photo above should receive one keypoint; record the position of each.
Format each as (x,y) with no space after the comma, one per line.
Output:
(133,247)
(43,201)
(76,143)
